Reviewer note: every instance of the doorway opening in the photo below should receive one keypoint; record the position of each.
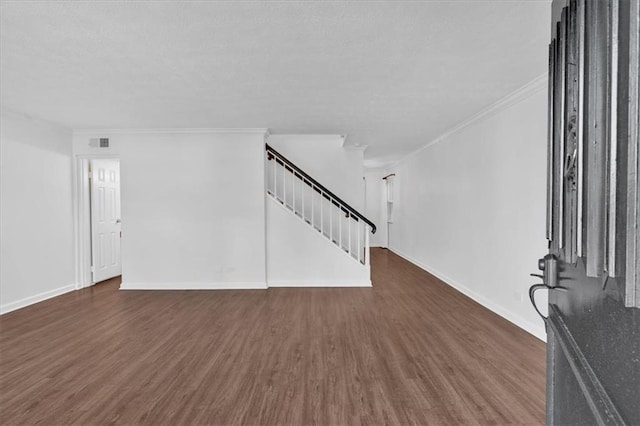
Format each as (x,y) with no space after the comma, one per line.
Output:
(99,221)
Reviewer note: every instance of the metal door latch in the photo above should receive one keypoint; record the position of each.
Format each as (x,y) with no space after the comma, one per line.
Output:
(549,267)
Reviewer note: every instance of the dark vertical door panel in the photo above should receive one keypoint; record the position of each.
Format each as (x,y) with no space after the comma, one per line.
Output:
(612,107)
(558,135)
(569,172)
(622,144)
(596,36)
(632,246)
(580,56)
(550,133)
(593,340)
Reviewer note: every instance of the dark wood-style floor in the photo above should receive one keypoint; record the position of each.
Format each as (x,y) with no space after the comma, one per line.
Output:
(410,350)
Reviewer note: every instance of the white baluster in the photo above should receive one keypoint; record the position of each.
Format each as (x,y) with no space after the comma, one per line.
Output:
(362,244)
(340,224)
(267,175)
(321,213)
(331,219)
(349,219)
(366,246)
(275,179)
(359,243)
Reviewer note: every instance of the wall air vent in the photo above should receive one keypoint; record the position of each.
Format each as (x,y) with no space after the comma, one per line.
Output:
(99,142)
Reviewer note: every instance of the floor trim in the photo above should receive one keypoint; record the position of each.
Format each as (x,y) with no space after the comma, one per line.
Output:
(27,301)
(325,283)
(534,329)
(197,285)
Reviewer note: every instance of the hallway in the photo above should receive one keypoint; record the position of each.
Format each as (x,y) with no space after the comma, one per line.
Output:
(410,350)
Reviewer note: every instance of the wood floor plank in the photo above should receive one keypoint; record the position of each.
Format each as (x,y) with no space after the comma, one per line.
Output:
(410,350)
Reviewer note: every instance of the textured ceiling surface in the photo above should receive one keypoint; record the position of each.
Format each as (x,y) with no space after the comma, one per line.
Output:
(390,75)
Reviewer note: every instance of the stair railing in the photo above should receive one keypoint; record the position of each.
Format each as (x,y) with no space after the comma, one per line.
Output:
(316,205)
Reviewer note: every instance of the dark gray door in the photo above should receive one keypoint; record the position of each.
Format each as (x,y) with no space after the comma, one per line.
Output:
(592,268)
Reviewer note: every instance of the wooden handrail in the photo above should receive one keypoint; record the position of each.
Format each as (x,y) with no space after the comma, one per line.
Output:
(318,187)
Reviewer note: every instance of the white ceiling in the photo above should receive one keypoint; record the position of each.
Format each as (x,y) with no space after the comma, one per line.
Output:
(392,75)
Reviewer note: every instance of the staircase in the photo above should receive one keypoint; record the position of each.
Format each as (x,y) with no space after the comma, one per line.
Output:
(323,211)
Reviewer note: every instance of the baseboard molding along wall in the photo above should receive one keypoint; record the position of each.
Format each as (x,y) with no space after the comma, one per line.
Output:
(304,283)
(534,329)
(27,301)
(258,285)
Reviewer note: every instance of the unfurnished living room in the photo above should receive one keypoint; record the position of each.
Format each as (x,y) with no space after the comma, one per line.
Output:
(320,212)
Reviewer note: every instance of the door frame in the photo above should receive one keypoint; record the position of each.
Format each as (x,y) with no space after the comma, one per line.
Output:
(82,216)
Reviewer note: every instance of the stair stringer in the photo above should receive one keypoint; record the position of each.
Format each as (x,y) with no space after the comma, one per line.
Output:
(298,255)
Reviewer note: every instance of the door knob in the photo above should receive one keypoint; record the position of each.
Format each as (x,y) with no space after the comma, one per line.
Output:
(118,221)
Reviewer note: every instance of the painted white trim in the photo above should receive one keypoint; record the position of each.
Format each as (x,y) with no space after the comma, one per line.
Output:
(316,232)
(265,213)
(536,330)
(519,95)
(82,217)
(27,301)
(310,283)
(81,224)
(172,130)
(352,147)
(355,147)
(194,285)
(8,112)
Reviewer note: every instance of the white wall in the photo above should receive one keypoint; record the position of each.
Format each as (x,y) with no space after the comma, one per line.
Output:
(324,158)
(471,207)
(299,256)
(36,216)
(375,208)
(193,207)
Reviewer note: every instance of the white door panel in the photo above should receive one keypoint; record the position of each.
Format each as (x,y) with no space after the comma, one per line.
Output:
(105,219)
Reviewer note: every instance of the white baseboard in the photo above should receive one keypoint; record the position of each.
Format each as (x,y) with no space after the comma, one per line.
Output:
(537,330)
(12,306)
(198,285)
(308,283)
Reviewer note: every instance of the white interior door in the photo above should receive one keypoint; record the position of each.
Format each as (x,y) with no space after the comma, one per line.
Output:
(105,219)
